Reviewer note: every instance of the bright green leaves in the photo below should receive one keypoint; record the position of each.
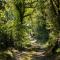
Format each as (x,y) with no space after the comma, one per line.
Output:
(20,18)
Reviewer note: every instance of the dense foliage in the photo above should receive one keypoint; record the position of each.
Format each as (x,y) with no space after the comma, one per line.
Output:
(23,21)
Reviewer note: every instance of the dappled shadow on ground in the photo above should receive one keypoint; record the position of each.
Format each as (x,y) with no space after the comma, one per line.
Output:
(43,58)
(28,55)
(39,56)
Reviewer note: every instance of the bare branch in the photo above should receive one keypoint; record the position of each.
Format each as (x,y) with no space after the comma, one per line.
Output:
(27,15)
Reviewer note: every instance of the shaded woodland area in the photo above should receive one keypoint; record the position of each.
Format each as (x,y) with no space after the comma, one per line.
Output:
(30,29)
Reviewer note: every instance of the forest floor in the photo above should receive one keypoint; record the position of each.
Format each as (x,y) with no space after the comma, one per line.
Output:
(28,55)
(36,53)
(38,56)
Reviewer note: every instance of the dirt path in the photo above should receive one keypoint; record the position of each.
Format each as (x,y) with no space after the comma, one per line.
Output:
(33,55)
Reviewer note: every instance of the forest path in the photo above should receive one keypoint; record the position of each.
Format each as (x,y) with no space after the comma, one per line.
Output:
(17,55)
(33,55)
